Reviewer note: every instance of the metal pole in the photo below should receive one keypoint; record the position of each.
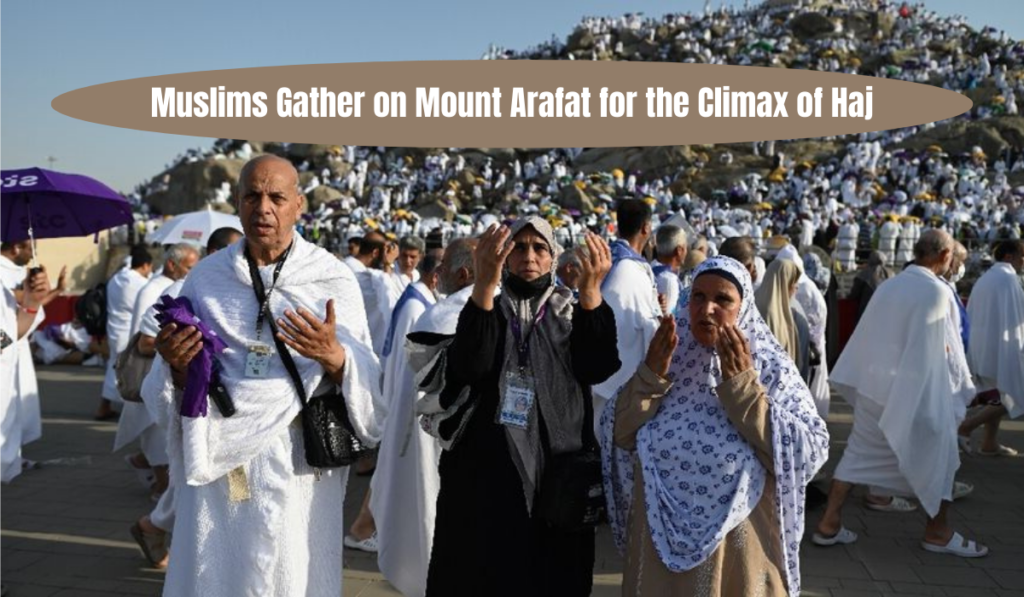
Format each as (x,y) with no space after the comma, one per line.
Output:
(31,234)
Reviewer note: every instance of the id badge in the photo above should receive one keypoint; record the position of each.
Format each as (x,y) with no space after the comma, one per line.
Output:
(519,394)
(257,361)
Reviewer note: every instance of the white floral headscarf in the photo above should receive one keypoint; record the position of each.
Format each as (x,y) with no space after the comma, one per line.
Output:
(700,476)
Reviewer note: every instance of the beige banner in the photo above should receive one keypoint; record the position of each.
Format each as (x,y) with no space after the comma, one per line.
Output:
(511,104)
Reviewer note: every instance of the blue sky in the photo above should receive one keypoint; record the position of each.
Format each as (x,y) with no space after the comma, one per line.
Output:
(48,47)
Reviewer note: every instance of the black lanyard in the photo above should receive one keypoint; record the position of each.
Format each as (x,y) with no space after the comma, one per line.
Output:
(262,294)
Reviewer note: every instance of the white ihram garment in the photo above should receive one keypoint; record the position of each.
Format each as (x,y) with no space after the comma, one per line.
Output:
(290,529)
(905,373)
(996,345)
(406,482)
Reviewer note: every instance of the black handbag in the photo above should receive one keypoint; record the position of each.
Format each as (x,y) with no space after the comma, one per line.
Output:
(328,437)
(571,496)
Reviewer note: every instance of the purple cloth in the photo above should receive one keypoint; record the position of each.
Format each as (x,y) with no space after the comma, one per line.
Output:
(200,371)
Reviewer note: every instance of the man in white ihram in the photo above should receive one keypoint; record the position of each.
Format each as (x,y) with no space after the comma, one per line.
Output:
(905,373)
(122,292)
(252,517)
(150,531)
(407,482)
(630,290)
(996,351)
(14,257)
(135,422)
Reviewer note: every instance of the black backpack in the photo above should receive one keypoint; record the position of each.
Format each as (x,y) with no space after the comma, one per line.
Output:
(91,310)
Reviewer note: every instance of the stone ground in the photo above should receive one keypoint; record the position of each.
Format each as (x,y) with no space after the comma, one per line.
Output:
(64,527)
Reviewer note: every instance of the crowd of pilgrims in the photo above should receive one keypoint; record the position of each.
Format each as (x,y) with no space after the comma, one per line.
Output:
(502,374)
(877,190)
(688,343)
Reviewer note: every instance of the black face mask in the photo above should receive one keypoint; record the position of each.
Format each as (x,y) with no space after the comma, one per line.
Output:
(527,290)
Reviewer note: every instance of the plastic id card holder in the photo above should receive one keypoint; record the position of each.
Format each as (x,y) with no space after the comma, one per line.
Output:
(257,360)
(519,395)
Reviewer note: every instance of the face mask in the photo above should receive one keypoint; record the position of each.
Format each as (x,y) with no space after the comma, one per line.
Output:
(528,290)
(959,275)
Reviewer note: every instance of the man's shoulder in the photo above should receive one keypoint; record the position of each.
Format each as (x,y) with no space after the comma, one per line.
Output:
(915,283)
(632,269)
(997,279)
(209,268)
(157,284)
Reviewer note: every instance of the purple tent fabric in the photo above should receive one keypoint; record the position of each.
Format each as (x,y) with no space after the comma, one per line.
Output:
(60,205)
(197,381)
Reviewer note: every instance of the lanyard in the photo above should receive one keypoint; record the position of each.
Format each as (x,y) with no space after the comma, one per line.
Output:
(523,344)
(263,295)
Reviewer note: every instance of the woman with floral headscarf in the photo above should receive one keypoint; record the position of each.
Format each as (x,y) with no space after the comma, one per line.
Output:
(708,450)
(517,381)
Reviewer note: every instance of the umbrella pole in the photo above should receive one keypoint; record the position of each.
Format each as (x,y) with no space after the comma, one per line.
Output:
(31,234)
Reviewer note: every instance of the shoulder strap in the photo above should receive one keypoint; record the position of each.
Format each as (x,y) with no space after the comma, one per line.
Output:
(289,362)
(282,349)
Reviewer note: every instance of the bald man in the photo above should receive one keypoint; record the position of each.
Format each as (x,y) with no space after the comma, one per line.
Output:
(903,441)
(246,477)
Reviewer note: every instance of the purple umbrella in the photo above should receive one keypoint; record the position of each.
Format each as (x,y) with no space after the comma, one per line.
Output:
(37,203)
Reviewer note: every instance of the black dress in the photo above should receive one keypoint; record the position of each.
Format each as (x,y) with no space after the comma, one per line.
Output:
(485,543)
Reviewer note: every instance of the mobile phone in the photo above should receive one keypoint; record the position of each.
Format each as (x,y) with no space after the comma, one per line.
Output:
(34,270)
(219,394)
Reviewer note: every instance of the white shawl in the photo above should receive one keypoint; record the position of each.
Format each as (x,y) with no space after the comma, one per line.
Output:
(905,356)
(996,314)
(816,310)
(220,289)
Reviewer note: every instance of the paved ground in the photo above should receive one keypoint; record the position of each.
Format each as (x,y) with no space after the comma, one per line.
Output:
(64,527)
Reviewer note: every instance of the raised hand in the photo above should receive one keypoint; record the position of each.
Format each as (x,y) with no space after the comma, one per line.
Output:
(313,338)
(491,252)
(733,352)
(595,263)
(60,289)
(37,289)
(663,345)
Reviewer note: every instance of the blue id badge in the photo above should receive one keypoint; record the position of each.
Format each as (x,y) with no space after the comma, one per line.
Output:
(519,395)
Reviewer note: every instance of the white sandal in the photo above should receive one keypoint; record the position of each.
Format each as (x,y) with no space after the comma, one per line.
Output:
(896,504)
(958,546)
(844,537)
(961,490)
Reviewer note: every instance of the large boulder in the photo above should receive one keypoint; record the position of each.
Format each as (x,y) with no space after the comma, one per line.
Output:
(649,49)
(811,24)
(189,186)
(275,148)
(861,23)
(308,151)
(649,161)
(993,135)
(320,195)
(574,197)
(436,208)
(581,39)
(628,37)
